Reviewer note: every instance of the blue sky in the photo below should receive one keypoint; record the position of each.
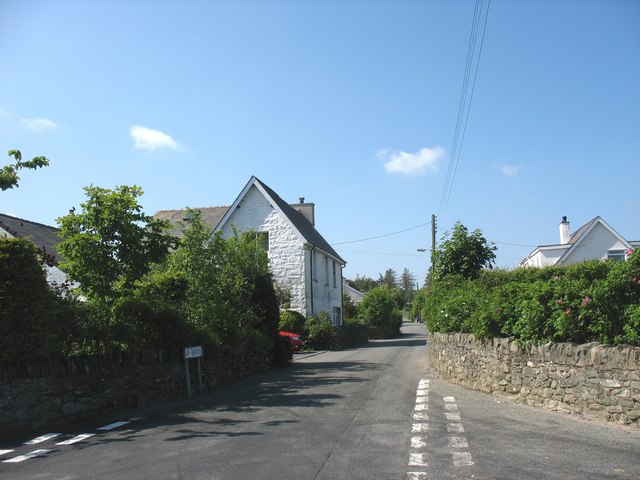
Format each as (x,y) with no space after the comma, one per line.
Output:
(351,104)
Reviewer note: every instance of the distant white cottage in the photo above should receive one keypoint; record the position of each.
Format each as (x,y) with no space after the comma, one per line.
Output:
(595,240)
(300,259)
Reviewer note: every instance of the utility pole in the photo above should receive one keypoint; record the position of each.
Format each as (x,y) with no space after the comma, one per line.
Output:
(433,244)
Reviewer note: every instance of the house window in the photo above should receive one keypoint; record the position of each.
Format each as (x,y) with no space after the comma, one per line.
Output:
(326,271)
(335,285)
(336,315)
(262,240)
(617,255)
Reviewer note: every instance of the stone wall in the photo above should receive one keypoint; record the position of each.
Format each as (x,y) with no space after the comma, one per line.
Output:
(56,392)
(591,380)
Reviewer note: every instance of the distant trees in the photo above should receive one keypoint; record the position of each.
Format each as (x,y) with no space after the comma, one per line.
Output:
(9,173)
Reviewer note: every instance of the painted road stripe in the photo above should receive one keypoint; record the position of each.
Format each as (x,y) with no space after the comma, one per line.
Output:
(417,460)
(42,438)
(4,452)
(419,428)
(422,391)
(462,459)
(422,399)
(455,428)
(452,416)
(416,475)
(449,399)
(27,456)
(420,416)
(421,407)
(418,442)
(111,426)
(456,441)
(76,439)
(450,406)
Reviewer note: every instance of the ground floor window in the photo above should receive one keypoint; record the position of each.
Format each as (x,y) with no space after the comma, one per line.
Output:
(337,315)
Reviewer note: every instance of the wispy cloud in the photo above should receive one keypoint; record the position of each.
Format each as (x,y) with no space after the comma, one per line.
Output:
(505,169)
(38,124)
(3,113)
(150,139)
(424,160)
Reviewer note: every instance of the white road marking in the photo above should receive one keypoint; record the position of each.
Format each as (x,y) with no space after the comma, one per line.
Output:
(4,452)
(422,391)
(449,399)
(420,416)
(456,441)
(418,442)
(419,428)
(421,407)
(417,460)
(42,438)
(416,475)
(111,426)
(452,416)
(462,459)
(27,456)
(450,406)
(135,419)
(76,439)
(455,428)
(422,399)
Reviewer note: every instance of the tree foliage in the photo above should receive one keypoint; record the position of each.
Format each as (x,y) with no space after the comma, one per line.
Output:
(9,173)
(463,253)
(111,244)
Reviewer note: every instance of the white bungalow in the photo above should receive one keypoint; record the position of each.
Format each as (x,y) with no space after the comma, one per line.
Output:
(595,240)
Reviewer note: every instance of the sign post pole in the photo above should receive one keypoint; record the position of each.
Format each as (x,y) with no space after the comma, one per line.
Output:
(197,353)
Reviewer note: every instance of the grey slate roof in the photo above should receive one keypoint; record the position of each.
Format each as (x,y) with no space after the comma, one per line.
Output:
(43,236)
(210,216)
(304,226)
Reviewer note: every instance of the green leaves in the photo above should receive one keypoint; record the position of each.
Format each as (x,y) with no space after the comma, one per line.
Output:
(463,253)
(9,173)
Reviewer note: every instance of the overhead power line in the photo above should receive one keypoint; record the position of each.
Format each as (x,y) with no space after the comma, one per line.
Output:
(464,106)
(383,235)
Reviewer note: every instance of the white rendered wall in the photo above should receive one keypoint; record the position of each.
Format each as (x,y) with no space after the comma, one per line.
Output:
(595,246)
(286,251)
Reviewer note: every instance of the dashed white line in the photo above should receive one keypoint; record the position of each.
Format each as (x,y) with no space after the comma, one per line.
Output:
(111,426)
(76,439)
(417,460)
(419,428)
(422,399)
(421,407)
(416,475)
(450,406)
(418,442)
(449,399)
(421,416)
(27,456)
(4,452)
(42,438)
(455,428)
(456,441)
(452,416)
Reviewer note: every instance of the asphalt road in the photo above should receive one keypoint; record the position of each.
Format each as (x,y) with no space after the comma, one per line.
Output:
(367,413)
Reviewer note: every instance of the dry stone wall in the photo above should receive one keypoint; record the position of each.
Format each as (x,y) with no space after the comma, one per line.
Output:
(55,392)
(594,381)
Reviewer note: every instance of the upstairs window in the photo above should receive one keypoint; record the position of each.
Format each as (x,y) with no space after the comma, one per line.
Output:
(617,255)
(262,240)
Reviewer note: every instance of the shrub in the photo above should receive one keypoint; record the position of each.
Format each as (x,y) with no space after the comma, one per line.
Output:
(291,321)
(379,308)
(319,332)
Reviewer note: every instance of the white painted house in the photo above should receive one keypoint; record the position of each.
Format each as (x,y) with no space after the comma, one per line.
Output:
(300,259)
(595,240)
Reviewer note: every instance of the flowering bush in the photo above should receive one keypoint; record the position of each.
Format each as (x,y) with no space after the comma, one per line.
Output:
(589,301)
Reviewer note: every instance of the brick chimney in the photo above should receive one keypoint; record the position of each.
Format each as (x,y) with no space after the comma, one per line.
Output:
(565,231)
(307,210)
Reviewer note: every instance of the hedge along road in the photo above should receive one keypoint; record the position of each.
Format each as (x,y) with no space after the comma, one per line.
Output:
(365,413)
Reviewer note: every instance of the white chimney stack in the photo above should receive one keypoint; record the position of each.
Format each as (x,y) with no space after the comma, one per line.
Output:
(565,231)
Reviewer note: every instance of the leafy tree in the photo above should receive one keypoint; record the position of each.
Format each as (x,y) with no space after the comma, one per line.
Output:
(379,307)
(111,244)
(9,173)
(463,253)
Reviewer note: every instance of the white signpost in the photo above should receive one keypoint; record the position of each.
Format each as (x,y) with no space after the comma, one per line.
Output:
(189,353)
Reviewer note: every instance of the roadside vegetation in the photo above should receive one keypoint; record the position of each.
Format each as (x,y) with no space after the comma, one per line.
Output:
(590,301)
(139,288)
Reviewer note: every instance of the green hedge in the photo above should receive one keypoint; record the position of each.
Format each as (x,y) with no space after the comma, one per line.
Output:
(589,301)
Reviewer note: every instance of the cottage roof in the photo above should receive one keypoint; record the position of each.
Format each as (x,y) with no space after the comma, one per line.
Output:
(209,215)
(43,236)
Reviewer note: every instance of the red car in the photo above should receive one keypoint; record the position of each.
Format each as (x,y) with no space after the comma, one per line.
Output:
(294,339)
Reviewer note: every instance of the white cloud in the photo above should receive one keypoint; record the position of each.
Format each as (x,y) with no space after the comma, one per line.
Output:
(425,159)
(505,169)
(38,124)
(149,139)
